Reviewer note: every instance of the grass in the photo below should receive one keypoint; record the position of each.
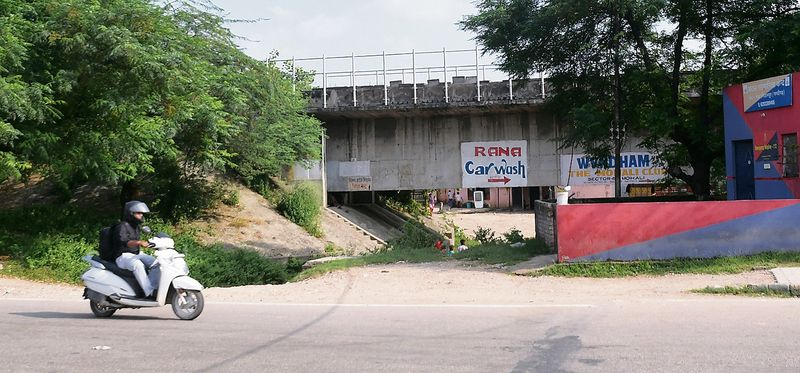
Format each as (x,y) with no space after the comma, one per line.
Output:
(490,253)
(744,290)
(721,265)
(16,268)
(46,243)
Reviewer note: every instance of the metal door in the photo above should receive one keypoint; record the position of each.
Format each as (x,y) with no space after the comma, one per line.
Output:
(743,159)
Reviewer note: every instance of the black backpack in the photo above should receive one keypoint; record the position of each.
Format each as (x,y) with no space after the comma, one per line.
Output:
(107,250)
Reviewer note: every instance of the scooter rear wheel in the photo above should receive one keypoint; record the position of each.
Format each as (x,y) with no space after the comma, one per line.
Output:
(187,304)
(101,311)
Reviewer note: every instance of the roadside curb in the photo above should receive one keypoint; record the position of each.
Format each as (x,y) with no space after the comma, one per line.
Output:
(787,281)
(793,290)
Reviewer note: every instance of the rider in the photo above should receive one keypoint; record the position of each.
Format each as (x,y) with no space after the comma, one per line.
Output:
(127,243)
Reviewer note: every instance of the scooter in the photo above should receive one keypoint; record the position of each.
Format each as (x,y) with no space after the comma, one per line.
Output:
(110,288)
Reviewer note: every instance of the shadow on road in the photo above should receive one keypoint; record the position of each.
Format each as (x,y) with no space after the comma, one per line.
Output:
(81,315)
(217,366)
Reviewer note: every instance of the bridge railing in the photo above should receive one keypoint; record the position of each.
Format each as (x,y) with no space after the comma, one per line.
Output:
(418,68)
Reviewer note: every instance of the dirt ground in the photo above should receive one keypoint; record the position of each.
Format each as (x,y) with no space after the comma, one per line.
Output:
(254,223)
(448,282)
(499,221)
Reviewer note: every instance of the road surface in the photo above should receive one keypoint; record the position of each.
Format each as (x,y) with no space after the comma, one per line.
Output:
(695,334)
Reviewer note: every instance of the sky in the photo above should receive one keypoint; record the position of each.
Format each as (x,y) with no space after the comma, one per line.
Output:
(311,28)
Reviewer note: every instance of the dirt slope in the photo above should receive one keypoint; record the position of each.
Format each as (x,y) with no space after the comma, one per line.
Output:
(255,224)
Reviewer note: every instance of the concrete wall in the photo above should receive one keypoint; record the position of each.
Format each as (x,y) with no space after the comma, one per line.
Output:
(463,90)
(422,151)
(632,231)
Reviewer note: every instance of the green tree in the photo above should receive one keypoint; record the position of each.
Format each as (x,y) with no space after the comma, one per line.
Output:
(675,56)
(108,91)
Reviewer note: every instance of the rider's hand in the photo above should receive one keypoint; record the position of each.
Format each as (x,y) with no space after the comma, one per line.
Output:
(144,243)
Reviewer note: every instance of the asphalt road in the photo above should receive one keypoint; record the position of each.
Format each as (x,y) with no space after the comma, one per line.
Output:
(704,334)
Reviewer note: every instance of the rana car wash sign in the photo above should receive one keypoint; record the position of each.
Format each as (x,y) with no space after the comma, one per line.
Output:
(489,164)
(767,93)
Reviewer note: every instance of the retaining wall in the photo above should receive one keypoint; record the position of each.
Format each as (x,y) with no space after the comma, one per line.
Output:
(663,230)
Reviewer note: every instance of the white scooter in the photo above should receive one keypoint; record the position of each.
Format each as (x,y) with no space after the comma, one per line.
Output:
(110,288)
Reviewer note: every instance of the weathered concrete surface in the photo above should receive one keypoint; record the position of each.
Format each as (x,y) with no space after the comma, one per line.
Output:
(400,145)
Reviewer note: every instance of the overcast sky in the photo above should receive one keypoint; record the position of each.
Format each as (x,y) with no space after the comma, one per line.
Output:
(309,28)
(306,28)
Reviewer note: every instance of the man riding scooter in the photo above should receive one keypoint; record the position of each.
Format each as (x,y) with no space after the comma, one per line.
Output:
(126,236)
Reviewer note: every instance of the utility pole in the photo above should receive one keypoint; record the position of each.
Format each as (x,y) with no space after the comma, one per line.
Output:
(616,131)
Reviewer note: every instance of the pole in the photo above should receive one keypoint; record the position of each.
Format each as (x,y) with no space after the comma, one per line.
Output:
(385,87)
(414,73)
(617,108)
(477,73)
(444,60)
(353,76)
(324,85)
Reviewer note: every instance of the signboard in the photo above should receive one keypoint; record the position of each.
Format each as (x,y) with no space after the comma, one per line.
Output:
(359,183)
(487,164)
(768,93)
(636,167)
(354,168)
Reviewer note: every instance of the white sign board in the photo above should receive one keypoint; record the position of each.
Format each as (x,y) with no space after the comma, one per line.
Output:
(488,164)
(636,167)
(356,168)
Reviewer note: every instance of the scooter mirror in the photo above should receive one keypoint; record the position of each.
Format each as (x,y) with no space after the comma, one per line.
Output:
(146,229)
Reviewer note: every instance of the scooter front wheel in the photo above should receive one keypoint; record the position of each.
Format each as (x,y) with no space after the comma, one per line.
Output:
(187,304)
(101,311)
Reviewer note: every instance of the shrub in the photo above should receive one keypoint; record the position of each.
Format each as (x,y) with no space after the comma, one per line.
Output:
(302,207)
(484,235)
(414,237)
(217,266)
(61,254)
(513,235)
(230,197)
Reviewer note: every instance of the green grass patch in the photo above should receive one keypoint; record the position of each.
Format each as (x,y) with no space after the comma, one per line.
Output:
(742,290)
(503,253)
(721,265)
(47,243)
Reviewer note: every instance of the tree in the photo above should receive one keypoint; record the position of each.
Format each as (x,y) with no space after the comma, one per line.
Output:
(110,91)
(676,56)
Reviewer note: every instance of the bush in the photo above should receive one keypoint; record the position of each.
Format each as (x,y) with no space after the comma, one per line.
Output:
(230,197)
(217,266)
(414,237)
(513,235)
(484,235)
(302,207)
(61,254)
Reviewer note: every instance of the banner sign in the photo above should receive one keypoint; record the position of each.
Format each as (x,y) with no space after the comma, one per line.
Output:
(488,164)
(636,167)
(768,93)
(358,183)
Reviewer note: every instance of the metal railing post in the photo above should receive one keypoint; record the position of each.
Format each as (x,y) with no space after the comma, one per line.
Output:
(294,79)
(353,76)
(414,73)
(324,85)
(510,89)
(385,86)
(444,60)
(541,75)
(477,77)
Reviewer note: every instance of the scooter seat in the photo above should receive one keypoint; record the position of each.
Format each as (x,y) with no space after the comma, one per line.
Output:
(124,274)
(111,266)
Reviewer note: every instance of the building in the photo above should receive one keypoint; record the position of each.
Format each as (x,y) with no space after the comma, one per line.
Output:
(761,127)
